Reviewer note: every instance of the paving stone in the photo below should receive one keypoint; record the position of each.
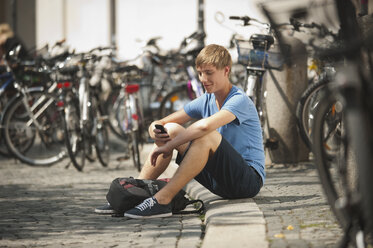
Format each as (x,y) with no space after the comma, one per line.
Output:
(292,196)
(53,207)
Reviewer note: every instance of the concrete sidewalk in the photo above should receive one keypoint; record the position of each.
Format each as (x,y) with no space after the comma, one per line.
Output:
(289,211)
(229,223)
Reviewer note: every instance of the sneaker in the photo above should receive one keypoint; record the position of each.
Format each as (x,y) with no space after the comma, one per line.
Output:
(106,209)
(149,208)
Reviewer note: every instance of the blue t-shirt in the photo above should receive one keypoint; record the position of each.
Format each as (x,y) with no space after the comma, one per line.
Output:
(244,133)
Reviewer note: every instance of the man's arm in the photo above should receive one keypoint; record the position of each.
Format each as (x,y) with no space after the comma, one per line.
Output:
(196,130)
(179,117)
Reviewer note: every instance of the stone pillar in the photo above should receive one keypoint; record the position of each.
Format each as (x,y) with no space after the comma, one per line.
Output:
(284,89)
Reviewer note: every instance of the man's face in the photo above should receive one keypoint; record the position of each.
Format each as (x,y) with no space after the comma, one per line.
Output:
(213,79)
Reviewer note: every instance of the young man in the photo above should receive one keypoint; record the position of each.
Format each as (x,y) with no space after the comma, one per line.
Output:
(223,150)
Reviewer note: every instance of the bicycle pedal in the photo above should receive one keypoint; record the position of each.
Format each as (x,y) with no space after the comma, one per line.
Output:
(271,144)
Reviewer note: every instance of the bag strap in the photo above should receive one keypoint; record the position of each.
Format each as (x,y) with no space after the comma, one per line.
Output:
(200,210)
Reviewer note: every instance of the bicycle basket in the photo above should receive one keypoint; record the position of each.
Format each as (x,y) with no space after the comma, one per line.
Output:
(249,56)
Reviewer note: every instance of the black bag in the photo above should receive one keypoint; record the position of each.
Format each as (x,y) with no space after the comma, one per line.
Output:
(126,193)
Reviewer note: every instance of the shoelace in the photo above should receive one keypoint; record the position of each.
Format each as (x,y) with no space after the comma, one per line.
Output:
(148,203)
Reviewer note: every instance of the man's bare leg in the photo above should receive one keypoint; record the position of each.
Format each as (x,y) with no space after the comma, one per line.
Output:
(192,164)
(153,172)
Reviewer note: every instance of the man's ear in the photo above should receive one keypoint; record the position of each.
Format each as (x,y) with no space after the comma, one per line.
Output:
(227,70)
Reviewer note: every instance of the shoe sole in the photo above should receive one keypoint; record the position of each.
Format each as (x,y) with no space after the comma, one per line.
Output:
(99,211)
(147,217)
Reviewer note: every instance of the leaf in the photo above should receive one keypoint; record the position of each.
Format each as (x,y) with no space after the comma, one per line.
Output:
(280,236)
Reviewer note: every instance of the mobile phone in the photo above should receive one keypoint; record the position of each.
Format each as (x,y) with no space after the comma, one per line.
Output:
(160,127)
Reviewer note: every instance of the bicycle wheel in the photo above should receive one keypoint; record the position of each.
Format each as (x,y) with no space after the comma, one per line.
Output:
(100,133)
(112,106)
(5,103)
(306,109)
(339,175)
(3,149)
(359,126)
(174,101)
(130,119)
(135,151)
(33,129)
(75,137)
(102,146)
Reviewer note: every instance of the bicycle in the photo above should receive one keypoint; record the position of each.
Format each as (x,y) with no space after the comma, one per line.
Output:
(185,92)
(128,112)
(32,128)
(343,121)
(258,57)
(84,122)
(161,72)
(323,72)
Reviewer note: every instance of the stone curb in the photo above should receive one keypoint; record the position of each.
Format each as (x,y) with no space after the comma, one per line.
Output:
(229,223)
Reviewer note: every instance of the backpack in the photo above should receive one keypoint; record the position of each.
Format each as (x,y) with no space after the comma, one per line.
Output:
(126,193)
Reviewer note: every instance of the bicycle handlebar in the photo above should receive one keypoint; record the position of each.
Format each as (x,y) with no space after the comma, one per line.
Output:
(323,30)
(102,49)
(248,21)
(243,18)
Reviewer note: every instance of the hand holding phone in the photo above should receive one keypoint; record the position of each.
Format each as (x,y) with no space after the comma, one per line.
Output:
(160,127)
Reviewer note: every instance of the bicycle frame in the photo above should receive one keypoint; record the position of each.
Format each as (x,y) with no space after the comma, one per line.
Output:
(132,108)
(24,91)
(9,80)
(194,85)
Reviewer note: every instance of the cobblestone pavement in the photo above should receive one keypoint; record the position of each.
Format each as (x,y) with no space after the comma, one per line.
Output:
(53,207)
(295,208)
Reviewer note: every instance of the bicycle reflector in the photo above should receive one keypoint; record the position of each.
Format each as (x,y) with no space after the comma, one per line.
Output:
(66,84)
(60,103)
(132,88)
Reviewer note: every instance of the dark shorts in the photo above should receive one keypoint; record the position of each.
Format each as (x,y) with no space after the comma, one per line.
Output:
(227,174)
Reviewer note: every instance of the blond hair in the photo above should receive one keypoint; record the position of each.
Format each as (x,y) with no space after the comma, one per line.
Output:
(215,55)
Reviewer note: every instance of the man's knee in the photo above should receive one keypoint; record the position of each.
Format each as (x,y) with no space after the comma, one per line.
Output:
(173,129)
(211,140)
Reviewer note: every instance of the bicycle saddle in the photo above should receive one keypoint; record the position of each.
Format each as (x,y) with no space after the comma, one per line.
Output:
(262,41)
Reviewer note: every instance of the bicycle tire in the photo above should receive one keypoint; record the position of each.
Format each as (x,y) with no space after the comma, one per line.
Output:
(135,150)
(306,107)
(330,178)
(112,106)
(74,138)
(359,122)
(102,146)
(174,101)
(47,142)
(100,133)
(130,118)
(6,103)
(3,149)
